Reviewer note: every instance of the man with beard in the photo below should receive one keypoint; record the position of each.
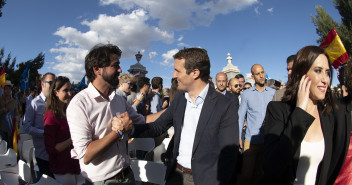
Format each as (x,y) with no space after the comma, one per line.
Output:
(253,104)
(100,148)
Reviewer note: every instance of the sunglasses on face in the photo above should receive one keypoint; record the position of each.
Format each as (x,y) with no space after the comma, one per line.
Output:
(49,82)
(236,85)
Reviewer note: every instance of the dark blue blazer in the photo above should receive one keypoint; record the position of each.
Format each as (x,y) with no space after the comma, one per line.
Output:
(215,147)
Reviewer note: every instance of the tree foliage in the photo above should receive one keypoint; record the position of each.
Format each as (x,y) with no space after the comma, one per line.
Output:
(2,4)
(13,74)
(324,23)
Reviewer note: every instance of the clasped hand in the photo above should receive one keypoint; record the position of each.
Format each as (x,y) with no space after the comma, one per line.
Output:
(121,122)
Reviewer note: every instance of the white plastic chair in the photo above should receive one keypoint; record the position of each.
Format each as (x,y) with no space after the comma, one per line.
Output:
(27,146)
(9,167)
(3,147)
(24,171)
(148,171)
(46,180)
(9,159)
(23,137)
(157,151)
(9,176)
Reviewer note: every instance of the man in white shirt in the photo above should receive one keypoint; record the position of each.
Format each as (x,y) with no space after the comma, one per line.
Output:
(99,146)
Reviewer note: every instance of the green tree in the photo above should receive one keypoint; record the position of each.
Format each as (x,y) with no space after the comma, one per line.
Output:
(2,4)
(13,74)
(9,66)
(324,23)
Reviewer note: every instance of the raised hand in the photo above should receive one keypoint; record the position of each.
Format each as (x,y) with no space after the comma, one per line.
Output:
(303,92)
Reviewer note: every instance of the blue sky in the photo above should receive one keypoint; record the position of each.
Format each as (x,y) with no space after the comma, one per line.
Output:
(264,32)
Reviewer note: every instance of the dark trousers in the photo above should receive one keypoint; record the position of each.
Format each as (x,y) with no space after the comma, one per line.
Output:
(44,167)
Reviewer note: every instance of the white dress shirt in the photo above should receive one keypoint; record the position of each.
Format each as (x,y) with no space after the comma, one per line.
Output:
(189,128)
(89,116)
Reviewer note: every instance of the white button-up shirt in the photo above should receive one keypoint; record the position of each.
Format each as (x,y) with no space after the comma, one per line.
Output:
(89,116)
(189,128)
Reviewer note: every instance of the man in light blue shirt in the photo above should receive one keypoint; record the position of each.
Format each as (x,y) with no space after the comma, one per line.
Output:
(253,104)
(33,124)
(155,103)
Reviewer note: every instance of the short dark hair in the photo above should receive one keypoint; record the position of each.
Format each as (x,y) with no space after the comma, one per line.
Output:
(195,58)
(303,61)
(143,81)
(291,58)
(239,75)
(248,84)
(99,56)
(46,74)
(156,81)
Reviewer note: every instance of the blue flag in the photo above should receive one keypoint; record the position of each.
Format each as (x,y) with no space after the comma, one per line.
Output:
(24,79)
(8,118)
(82,83)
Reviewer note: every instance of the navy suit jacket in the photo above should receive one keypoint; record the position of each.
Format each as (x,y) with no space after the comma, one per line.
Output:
(233,97)
(215,147)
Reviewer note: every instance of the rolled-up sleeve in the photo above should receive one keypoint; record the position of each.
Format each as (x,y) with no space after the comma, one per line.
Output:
(80,129)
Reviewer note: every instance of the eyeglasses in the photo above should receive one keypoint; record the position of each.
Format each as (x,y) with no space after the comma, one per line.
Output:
(49,82)
(236,85)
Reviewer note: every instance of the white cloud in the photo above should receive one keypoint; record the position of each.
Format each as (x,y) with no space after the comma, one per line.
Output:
(180,38)
(152,54)
(181,44)
(181,14)
(129,31)
(168,58)
(256,10)
(135,29)
(270,10)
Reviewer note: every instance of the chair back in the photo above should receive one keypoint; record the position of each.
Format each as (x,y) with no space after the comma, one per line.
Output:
(3,147)
(26,152)
(159,150)
(9,159)
(46,180)
(23,137)
(24,171)
(148,171)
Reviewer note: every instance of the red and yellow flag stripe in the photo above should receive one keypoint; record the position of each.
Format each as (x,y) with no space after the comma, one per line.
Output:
(333,46)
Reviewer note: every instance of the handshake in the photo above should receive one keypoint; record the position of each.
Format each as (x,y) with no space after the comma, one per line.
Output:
(121,122)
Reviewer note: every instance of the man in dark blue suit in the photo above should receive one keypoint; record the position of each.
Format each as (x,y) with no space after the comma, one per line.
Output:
(205,122)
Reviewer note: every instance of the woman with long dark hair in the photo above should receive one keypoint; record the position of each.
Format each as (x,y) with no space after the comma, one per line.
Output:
(299,130)
(57,137)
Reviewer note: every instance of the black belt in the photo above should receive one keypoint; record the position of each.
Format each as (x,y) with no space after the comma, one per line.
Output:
(121,175)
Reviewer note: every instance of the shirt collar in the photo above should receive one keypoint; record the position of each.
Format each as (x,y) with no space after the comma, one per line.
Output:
(95,93)
(255,88)
(42,96)
(200,98)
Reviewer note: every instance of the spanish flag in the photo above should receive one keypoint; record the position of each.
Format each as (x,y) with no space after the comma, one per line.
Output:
(2,76)
(333,46)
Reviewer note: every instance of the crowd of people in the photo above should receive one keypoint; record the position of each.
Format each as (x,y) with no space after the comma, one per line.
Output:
(225,132)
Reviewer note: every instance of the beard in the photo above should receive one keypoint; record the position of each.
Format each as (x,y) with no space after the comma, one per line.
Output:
(113,79)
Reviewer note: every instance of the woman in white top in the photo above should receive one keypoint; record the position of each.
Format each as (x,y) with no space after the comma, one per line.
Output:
(299,129)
